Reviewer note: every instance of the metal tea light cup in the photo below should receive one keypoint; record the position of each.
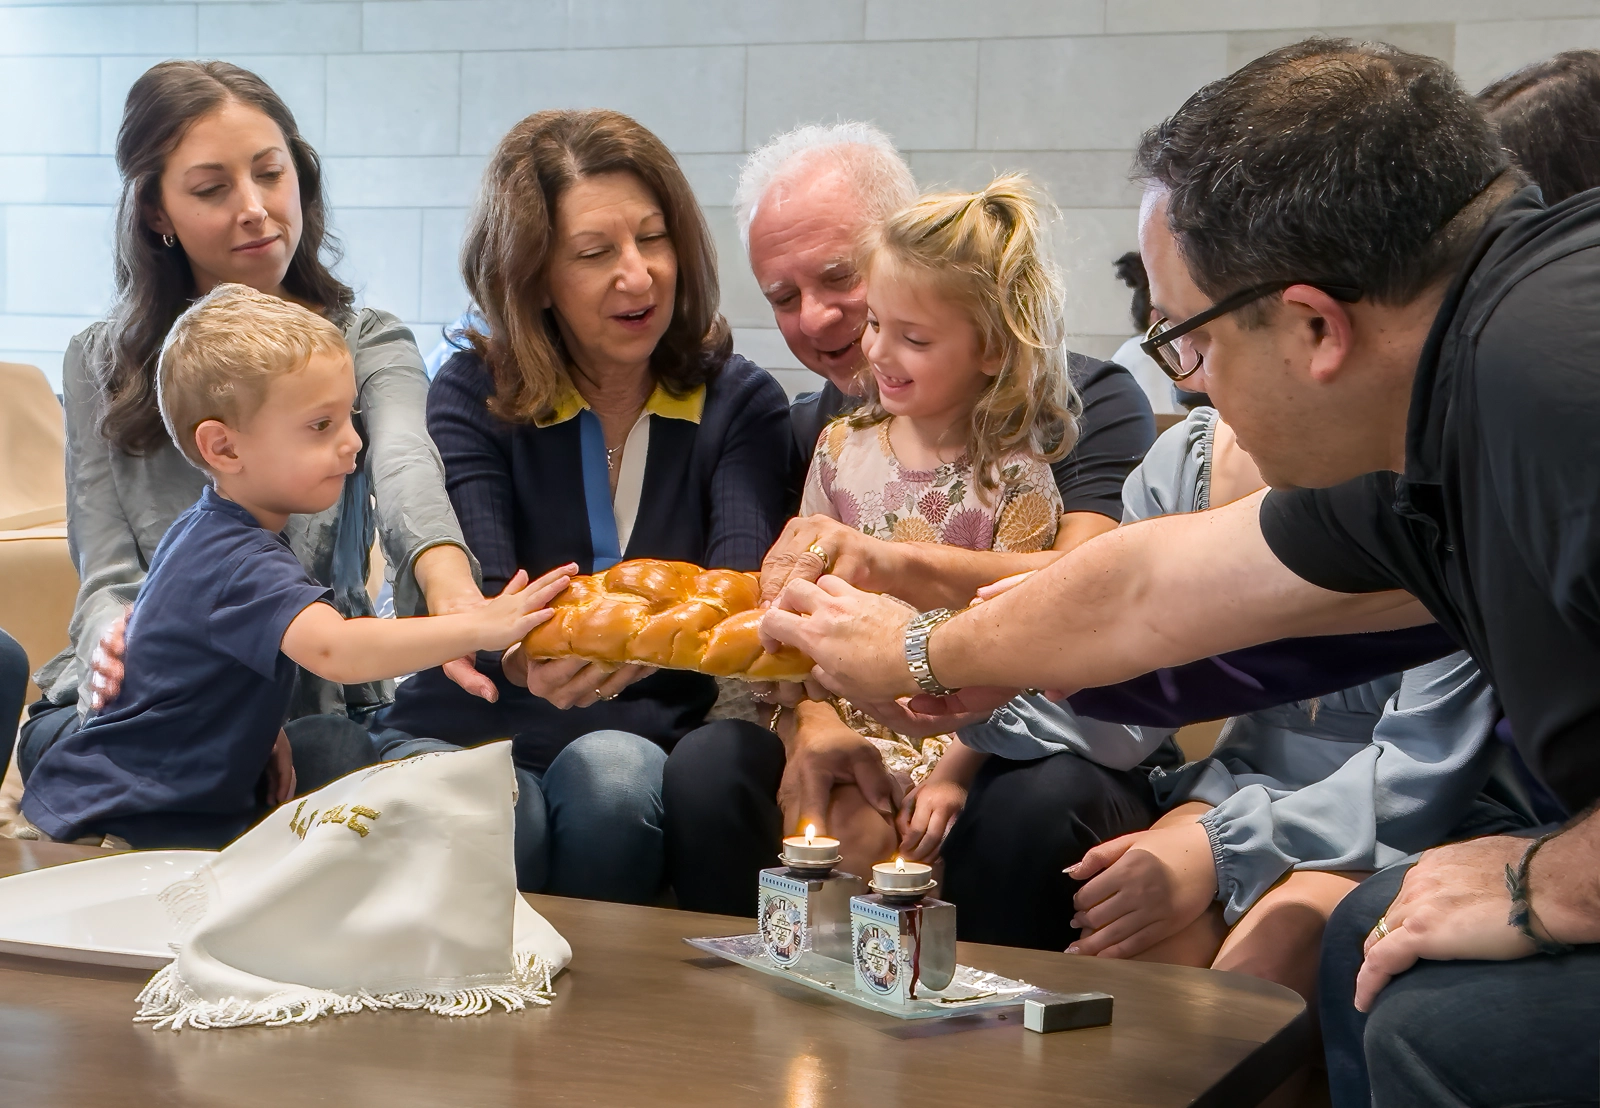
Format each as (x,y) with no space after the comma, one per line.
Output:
(900,880)
(804,906)
(810,853)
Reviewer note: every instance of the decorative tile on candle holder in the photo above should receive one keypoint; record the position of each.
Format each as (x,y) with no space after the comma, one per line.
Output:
(804,905)
(902,939)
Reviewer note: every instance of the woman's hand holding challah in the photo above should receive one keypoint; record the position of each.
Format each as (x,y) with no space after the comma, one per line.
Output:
(571,682)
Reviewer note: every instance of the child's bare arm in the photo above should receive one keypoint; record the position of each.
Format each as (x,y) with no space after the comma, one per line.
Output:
(959,764)
(350,651)
(932,807)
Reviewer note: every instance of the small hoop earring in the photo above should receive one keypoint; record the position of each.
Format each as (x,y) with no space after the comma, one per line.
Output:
(169,241)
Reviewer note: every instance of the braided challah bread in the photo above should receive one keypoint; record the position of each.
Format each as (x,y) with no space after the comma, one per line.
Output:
(669,614)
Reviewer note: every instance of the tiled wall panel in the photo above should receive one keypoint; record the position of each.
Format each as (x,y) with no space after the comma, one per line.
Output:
(404,99)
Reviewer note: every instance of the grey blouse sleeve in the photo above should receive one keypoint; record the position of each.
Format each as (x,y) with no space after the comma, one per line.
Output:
(413,510)
(1430,755)
(1032,727)
(99,536)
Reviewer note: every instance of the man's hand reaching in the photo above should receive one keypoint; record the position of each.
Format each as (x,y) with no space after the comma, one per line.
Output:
(847,553)
(823,752)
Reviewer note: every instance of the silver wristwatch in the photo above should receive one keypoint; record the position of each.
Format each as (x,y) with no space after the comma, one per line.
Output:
(917,632)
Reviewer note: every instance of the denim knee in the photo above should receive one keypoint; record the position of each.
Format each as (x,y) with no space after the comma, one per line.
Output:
(617,774)
(603,793)
(1410,1051)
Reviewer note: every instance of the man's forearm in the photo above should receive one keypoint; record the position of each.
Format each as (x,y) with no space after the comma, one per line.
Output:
(1159,593)
(1564,883)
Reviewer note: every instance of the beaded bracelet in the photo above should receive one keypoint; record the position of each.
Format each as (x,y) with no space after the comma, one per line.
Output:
(1522,915)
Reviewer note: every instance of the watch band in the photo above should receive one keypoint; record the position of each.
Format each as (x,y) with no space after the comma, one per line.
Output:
(917,633)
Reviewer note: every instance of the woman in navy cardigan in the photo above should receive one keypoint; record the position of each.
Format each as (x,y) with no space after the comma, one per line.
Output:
(598,414)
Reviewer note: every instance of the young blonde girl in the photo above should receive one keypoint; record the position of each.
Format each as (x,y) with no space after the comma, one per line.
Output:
(968,403)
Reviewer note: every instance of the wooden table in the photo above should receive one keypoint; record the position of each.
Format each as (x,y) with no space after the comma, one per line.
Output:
(643,1019)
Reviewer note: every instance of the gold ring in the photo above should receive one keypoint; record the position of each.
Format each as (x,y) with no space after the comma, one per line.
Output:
(1382,928)
(816,548)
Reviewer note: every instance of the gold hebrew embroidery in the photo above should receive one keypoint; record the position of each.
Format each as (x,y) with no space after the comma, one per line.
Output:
(299,826)
(357,810)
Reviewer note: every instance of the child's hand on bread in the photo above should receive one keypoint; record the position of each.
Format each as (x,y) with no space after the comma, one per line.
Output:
(521,606)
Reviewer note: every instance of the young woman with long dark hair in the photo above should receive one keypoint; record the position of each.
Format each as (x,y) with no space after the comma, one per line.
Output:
(218,185)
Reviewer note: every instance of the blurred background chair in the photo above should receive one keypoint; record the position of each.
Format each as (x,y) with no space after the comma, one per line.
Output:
(38,581)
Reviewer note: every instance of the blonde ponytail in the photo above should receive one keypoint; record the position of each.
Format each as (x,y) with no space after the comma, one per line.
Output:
(989,252)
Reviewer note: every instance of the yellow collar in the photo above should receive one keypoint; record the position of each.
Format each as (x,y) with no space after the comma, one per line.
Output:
(662,403)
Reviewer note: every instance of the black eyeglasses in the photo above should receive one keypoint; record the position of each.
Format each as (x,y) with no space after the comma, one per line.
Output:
(1161,340)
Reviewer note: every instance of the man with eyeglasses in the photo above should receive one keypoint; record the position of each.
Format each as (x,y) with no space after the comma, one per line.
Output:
(1404,339)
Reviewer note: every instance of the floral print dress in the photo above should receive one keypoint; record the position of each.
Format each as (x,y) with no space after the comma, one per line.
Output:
(856,479)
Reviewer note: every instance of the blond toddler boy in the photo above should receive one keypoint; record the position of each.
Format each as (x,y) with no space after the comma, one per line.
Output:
(259,393)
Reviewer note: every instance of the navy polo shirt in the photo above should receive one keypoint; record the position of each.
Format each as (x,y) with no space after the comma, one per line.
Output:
(175,759)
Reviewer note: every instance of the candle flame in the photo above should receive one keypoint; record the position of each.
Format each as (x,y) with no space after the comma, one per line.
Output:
(811,834)
(899,865)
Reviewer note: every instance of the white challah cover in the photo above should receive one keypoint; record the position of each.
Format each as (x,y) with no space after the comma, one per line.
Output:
(393,887)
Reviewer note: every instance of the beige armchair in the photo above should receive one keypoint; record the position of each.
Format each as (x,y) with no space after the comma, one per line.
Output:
(40,581)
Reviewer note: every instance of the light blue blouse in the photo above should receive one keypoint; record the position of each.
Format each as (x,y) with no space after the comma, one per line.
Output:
(1353,781)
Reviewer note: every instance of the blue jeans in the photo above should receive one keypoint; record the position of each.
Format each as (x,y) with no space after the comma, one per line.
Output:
(590,825)
(13,691)
(1517,1034)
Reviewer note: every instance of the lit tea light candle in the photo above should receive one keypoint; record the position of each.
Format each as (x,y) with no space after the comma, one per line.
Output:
(810,850)
(900,877)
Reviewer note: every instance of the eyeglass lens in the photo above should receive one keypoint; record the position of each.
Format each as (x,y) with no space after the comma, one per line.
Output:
(1178,357)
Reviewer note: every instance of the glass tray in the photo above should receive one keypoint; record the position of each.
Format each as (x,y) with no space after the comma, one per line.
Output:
(971,990)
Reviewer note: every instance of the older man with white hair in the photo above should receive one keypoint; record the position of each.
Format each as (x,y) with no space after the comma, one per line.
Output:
(802,202)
